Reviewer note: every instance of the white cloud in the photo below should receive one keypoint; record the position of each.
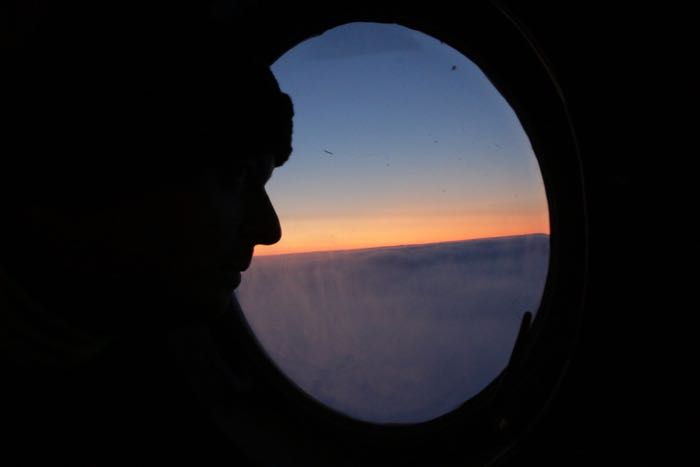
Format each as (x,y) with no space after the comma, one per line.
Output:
(396,334)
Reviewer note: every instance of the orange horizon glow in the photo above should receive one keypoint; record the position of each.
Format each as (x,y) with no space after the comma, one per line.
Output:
(316,235)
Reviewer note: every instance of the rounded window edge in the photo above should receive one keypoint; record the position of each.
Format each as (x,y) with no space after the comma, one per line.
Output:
(513,400)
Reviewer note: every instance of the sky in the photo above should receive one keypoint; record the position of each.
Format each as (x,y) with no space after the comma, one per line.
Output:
(398,139)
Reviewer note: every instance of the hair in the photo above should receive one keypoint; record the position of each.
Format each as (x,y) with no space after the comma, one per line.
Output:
(82,126)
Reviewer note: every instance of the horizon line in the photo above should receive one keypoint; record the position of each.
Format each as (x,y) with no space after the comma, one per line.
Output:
(405,245)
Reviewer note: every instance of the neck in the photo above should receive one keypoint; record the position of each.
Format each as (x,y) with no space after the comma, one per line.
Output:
(32,336)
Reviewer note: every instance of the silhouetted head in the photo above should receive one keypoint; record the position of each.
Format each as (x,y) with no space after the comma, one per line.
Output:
(133,188)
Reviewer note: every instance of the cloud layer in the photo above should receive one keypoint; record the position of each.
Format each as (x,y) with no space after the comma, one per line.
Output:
(399,334)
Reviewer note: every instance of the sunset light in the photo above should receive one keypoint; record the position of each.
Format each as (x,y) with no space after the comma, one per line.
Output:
(404,142)
(305,235)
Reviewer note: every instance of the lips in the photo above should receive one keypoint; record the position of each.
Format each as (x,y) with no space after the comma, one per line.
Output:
(236,280)
(237,266)
(241,263)
(244,266)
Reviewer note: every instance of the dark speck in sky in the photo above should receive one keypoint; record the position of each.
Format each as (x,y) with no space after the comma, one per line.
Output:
(454,67)
(328,152)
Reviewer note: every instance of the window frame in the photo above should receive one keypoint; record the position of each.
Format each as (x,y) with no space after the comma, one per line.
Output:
(264,408)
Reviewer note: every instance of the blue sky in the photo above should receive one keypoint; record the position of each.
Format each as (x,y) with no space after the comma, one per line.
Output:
(415,129)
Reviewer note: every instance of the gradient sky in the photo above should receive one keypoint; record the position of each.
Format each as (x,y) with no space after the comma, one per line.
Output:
(424,149)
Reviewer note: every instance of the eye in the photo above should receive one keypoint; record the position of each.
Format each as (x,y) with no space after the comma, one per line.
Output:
(232,179)
(257,171)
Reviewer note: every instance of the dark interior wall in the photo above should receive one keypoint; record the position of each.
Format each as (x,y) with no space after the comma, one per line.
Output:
(599,54)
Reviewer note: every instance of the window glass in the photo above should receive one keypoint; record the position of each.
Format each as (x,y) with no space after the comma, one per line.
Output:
(415,227)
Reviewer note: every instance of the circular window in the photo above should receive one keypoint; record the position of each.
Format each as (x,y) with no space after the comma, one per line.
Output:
(415,227)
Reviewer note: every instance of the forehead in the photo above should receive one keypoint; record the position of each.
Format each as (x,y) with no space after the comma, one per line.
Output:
(265,133)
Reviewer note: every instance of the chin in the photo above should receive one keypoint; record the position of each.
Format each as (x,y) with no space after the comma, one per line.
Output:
(195,310)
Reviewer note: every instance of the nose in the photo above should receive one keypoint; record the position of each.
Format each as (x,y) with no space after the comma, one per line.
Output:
(264,223)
